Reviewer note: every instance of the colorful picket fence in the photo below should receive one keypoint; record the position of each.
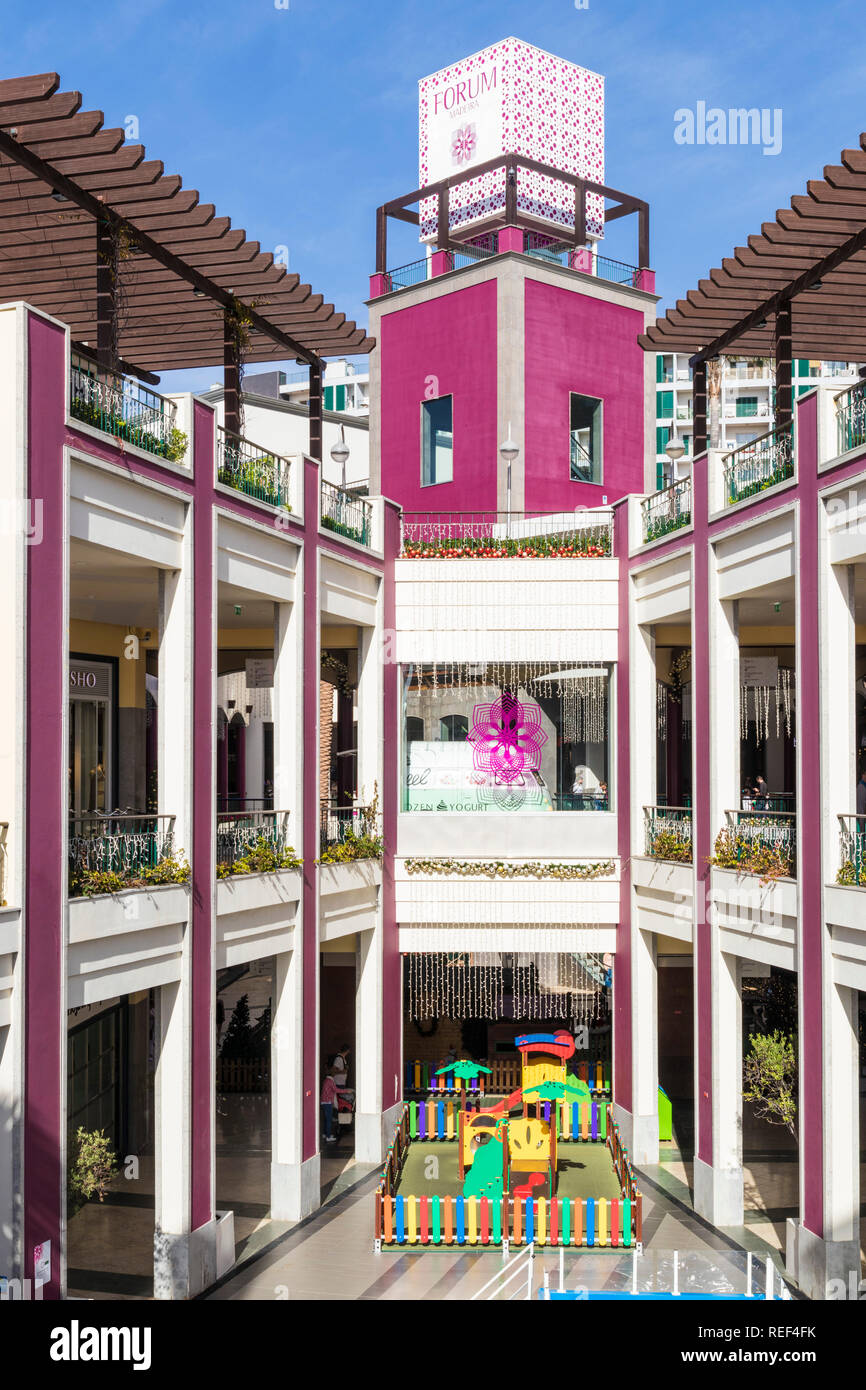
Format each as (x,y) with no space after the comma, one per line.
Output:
(591,1222)
(404,1219)
(505,1077)
(440,1119)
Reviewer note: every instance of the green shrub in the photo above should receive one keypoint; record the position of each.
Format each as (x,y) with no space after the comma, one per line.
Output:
(90,1166)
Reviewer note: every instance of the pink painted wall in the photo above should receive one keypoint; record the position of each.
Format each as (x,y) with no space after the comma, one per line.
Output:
(575,343)
(622,990)
(453,339)
(203,811)
(392,966)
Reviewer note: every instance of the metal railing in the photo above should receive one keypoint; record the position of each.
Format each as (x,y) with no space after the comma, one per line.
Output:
(339,823)
(118,843)
(666,511)
(227,802)
(764,463)
(565,254)
(346,514)
(485,535)
(668,833)
(125,409)
(415,273)
(238,832)
(851,417)
(852,850)
(775,831)
(251,469)
(582,801)
(777,801)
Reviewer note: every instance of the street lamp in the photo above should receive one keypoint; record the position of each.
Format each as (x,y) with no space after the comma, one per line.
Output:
(340,455)
(674,450)
(508,452)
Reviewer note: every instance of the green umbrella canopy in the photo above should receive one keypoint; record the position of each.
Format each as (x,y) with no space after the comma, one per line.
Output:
(465,1070)
(555,1090)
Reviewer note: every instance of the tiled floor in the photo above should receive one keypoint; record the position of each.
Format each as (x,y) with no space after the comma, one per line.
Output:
(330,1255)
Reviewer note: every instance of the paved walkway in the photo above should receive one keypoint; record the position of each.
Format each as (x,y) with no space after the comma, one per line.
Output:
(330,1255)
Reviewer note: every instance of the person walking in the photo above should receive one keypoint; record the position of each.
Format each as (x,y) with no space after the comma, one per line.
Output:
(340,1067)
(328,1100)
(861,794)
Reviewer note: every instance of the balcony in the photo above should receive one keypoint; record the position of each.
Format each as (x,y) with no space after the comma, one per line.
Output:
(756,467)
(125,409)
(581,259)
(668,833)
(249,842)
(253,470)
(852,851)
(494,535)
(346,515)
(667,511)
(107,853)
(851,418)
(347,833)
(758,842)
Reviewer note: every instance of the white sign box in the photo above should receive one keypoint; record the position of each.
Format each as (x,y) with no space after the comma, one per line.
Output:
(511,98)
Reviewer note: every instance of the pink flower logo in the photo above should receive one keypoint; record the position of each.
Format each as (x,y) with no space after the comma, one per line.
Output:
(463,145)
(507,739)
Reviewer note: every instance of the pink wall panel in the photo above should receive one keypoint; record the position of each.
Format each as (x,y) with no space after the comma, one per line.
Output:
(575,343)
(444,346)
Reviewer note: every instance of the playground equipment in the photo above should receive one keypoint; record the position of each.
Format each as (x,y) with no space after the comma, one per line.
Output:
(511,1160)
(422,1078)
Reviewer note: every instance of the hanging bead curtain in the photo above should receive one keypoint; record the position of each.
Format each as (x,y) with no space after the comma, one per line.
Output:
(460,985)
(759,702)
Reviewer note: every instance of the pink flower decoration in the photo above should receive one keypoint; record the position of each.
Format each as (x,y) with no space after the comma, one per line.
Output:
(507,738)
(463,144)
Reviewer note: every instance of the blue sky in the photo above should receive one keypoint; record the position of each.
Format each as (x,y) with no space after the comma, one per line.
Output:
(298,122)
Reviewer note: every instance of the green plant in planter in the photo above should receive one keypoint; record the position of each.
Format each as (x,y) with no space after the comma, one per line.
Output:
(849,875)
(667,845)
(92,883)
(261,858)
(90,1166)
(736,851)
(353,847)
(176,446)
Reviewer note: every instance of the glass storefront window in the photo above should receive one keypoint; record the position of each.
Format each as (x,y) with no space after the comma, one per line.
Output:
(513,736)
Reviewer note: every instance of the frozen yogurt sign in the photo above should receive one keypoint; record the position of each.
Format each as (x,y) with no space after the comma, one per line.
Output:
(511,98)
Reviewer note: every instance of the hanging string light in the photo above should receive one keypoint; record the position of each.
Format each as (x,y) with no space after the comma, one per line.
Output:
(545,985)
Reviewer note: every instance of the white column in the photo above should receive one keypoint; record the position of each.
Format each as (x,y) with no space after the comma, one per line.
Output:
(842,1120)
(287,1203)
(641,1126)
(369,728)
(719,1191)
(369,1125)
(173,1093)
(833,1258)
(645,1049)
(839,777)
(171,1256)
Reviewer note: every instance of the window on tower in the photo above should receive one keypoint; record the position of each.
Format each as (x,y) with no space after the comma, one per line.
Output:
(437,441)
(586,452)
